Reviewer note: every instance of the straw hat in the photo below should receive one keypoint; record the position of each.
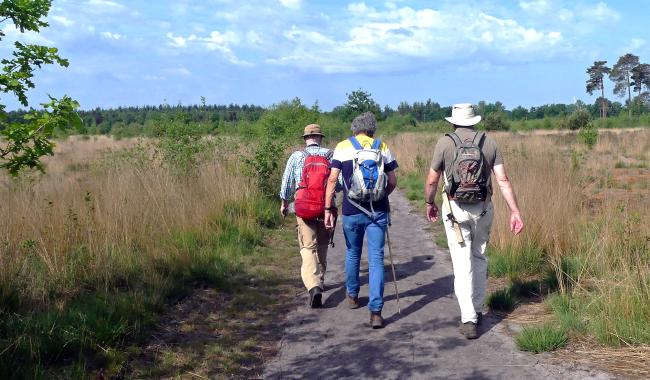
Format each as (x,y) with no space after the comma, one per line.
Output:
(462,114)
(312,130)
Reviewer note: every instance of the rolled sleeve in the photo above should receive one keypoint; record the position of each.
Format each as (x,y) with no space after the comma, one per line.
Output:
(288,181)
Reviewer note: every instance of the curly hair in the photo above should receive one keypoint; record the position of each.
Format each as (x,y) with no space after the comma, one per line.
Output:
(365,123)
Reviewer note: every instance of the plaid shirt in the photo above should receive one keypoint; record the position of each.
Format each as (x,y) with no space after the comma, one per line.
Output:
(293,170)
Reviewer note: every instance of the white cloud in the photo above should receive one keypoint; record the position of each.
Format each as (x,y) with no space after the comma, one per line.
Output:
(398,38)
(601,12)
(215,41)
(253,38)
(113,36)
(63,20)
(181,71)
(535,6)
(634,45)
(180,41)
(104,6)
(13,34)
(291,4)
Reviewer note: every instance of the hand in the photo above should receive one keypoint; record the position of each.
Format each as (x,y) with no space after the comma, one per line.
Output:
(432,212)
(330,219)
(284,208)
(516,223)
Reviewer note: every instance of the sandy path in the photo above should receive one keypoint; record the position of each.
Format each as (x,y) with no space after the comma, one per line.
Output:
(420,343)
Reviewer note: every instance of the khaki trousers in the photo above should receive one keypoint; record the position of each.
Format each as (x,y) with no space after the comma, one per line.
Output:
(313,239)
(468,259)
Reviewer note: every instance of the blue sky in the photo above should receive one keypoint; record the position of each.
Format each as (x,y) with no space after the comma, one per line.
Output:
(137,52)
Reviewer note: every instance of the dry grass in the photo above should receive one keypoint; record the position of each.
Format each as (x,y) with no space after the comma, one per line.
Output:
(110,209)
(93,250)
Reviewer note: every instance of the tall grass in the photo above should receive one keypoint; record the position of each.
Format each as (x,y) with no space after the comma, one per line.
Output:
(587,223)
(90,252)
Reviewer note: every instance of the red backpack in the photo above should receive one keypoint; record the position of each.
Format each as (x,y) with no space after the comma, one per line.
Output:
(310,196)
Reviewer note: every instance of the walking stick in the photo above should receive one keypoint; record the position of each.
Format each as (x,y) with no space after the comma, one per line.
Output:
(392,266)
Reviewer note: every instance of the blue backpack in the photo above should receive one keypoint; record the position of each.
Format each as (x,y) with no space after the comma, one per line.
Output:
(368,181)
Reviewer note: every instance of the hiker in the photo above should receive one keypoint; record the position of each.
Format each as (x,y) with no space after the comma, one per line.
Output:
(368,173)
(465,159)
(305,176)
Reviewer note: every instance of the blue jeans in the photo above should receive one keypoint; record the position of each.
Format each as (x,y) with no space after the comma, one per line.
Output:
(354,228)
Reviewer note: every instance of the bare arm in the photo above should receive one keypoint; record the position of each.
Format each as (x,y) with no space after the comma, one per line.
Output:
(430,189)
(392,182)
(508,192)
(329,197)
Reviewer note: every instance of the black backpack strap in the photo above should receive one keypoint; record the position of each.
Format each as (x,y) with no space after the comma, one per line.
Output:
(454,137)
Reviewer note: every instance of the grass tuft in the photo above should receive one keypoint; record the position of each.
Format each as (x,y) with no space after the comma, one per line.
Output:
(503,300)
(543,338)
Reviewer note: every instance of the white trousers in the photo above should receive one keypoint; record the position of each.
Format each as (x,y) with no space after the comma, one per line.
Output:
(468,259)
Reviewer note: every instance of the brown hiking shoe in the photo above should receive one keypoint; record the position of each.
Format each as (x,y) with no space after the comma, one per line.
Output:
(468,329)
(376,321)
(353,303)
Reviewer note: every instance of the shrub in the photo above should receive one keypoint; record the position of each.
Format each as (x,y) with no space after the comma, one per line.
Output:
(183,149)
(579,119)
(541,339)
(263,167)
(496,122)
(588,136)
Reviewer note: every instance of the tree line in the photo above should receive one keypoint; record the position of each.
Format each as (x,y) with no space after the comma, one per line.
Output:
(627,75)
(129,121)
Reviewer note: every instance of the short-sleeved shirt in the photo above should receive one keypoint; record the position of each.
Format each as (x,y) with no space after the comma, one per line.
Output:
(342,159)
(443,154)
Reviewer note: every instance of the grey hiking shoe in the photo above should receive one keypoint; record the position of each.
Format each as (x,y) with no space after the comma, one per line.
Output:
(353,302)
(468,329)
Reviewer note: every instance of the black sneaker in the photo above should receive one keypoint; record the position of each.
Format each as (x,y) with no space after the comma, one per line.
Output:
(315,297)
(468,329)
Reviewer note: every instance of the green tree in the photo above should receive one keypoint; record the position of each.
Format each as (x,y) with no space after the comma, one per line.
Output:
(641,77)
(621,76)
(28,138)
(595,82)
(360,101)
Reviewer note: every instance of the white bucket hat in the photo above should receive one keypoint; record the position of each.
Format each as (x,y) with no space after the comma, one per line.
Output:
(463,114)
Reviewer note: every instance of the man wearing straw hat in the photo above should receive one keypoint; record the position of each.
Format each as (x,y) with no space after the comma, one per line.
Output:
(313,237)
(465,159)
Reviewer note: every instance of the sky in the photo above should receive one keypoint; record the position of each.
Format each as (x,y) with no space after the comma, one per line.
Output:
(143,52)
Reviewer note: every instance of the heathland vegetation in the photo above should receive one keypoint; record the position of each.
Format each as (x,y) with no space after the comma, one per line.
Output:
(117,229)
(93,249)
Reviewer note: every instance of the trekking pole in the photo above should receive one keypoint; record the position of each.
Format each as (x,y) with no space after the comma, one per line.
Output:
(392,266)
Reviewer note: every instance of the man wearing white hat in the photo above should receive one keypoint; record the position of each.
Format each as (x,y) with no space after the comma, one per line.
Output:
(466,158)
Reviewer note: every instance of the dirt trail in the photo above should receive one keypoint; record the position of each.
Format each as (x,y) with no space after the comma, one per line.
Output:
(420,343)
